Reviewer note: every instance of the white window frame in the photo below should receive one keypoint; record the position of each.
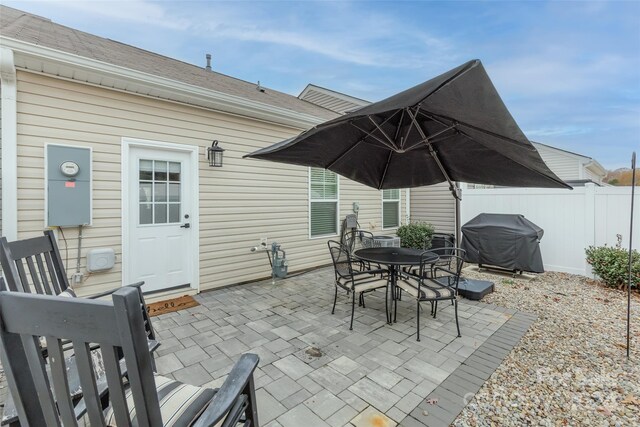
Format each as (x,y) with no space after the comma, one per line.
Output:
(336,200)
(398,200)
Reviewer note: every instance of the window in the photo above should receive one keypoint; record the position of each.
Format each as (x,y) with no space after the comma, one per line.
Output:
(390,208)
(323,202)
(159,189)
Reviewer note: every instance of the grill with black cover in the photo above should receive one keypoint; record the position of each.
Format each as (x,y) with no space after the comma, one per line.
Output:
(507,241)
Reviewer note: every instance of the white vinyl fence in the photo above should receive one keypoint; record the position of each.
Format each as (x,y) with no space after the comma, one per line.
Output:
(572,219)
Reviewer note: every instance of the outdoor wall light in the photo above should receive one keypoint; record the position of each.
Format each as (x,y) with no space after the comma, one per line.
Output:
(214,154)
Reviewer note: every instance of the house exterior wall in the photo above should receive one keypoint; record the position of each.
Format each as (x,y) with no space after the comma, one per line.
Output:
(434,204)
(565,165)
(239,203)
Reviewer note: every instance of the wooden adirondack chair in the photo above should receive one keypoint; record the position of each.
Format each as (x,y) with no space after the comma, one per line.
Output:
(35,266)
(41,390)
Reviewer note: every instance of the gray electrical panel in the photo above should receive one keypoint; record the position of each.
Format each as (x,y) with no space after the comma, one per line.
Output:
(68,185)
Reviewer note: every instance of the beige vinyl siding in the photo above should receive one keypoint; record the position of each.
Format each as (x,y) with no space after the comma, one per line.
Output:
(434,204)
(239,203)
(329,102)
(566,165)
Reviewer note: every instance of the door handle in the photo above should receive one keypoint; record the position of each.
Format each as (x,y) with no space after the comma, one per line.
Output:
(187,225)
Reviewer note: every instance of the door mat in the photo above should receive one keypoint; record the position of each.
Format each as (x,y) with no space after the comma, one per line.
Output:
(171,305)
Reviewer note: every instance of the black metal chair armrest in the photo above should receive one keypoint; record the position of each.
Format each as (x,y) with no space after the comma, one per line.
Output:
(225,400)
(445,270)
(440,283)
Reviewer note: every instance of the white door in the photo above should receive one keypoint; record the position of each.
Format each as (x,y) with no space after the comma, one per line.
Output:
(160,210)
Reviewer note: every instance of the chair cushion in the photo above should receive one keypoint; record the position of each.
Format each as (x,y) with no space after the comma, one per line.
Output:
(180,404)
(68,293)
(364,282)
(429,290)
(369,284)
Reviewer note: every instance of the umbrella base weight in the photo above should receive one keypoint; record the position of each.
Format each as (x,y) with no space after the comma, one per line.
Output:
(475,289)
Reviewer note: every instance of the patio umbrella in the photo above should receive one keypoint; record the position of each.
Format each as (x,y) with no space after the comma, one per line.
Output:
(453,127)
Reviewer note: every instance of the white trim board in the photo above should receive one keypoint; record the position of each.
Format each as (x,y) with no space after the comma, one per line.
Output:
(9,145)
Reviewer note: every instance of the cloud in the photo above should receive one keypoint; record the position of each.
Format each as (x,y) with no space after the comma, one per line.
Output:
(135,11)
(551,74)
(558,131)
(373,39)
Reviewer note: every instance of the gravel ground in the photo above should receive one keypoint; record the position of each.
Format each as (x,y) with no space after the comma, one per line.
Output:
(571,367)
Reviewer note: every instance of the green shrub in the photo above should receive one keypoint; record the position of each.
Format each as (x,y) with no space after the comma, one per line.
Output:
(414,234)
(611,264)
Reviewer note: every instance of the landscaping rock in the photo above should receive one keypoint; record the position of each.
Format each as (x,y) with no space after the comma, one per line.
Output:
(570,368)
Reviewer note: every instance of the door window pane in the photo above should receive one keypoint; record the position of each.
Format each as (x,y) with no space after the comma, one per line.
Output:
(174,212)
(174,171)
(160,193)
(146,170)
(146,214)
(160,216)
(174,192)
(160,170)
(145,191)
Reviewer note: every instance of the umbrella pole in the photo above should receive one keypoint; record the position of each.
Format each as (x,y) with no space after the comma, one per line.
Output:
(633,187)
(458,197)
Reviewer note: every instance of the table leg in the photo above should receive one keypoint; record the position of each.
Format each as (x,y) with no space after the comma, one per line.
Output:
(392,290)
(395,295)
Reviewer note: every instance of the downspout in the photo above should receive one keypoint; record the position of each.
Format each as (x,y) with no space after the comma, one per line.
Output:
(9,145)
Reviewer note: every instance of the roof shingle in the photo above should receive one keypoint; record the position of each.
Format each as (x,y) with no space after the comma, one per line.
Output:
(41,31)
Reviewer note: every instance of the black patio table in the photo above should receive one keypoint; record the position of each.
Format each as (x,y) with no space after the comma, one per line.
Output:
(394,258)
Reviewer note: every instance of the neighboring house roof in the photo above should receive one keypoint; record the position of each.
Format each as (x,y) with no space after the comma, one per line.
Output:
(588,162)
(335,101)
(22,31)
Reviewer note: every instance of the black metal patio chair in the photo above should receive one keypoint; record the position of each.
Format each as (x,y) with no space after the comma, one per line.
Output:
(354,280)
(439,283)
(440,240)
(41,390)
(360,239)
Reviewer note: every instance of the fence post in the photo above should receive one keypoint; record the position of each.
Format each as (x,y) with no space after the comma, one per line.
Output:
(589,222)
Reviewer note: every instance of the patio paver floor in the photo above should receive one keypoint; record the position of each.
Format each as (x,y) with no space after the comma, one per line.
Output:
(374,367)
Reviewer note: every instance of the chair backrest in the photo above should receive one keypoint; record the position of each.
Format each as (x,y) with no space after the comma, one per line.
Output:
(341,258)
(440,241)
(448,266)
(116,326)
(358,239)
(33,265)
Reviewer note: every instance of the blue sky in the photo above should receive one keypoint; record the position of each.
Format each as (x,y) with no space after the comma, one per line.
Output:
(569,72)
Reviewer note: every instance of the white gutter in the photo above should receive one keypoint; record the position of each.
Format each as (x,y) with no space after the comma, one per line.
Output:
(596,167)
(9,145)
(170,88)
